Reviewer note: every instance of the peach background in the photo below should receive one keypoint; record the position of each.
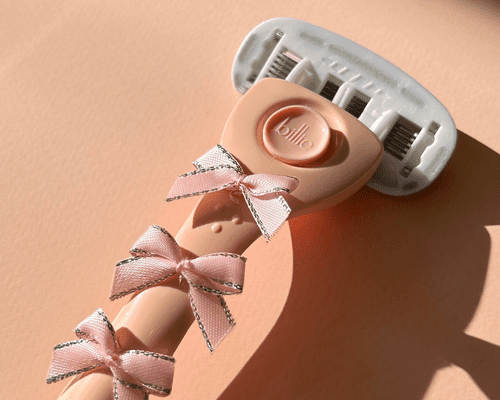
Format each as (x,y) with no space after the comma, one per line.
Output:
(104,103)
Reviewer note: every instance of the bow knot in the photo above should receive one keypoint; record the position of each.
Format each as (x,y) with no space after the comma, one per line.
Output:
(263,193)
(136,373)
(239,180)
(179,267)
(157,257)
(112,360)
(184,265)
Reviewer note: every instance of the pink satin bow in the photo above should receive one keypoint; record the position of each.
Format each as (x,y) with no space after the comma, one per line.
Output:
(218,170)
(136,373)
(157,257)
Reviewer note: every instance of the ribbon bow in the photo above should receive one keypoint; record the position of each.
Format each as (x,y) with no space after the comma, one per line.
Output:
(136,373)
(157,257)
(218,170)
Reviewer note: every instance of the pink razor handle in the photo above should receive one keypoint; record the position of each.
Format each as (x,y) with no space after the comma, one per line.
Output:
(277,128)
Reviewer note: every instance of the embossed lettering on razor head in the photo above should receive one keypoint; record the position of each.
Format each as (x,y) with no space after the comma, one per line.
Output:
(296,136)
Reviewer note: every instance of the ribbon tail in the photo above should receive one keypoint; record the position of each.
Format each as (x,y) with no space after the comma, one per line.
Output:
(154,371)
(125,391)
(269,213)
(212,315)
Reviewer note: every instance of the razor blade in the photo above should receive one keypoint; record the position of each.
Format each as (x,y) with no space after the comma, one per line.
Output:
(417,132)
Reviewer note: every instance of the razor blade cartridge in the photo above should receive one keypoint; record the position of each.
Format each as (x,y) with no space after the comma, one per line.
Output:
(417,132)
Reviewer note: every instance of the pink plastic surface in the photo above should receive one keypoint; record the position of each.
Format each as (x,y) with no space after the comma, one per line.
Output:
(157,318)
(296,135)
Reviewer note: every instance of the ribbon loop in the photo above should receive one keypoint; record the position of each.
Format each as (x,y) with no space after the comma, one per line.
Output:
(209,277)
(98,328)
(219,170)
(136,373)
(148,244)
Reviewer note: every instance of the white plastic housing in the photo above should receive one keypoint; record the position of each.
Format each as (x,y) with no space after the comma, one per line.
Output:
(418,133)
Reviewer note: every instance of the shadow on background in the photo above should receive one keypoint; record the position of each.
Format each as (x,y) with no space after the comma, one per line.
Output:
(382,291)
(491,6)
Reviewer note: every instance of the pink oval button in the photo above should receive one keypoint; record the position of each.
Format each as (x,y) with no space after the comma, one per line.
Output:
(296,135)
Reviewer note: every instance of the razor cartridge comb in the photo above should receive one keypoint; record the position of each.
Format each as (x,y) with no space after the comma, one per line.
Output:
(417,132)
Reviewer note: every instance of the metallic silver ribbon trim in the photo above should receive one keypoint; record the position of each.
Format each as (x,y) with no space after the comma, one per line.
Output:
(226,311)
(200,324)
(127,260)
(150,354)
(256,215)
(209,290)
(56,378)
(164,231)
(109,325)
(184,196)
(140,287)
(73,342)
(231,157)
(233,255)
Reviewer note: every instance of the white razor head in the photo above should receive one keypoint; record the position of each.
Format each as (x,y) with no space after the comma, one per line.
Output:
(417,131)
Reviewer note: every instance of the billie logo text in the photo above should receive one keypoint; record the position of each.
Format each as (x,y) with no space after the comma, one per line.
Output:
(296,136)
